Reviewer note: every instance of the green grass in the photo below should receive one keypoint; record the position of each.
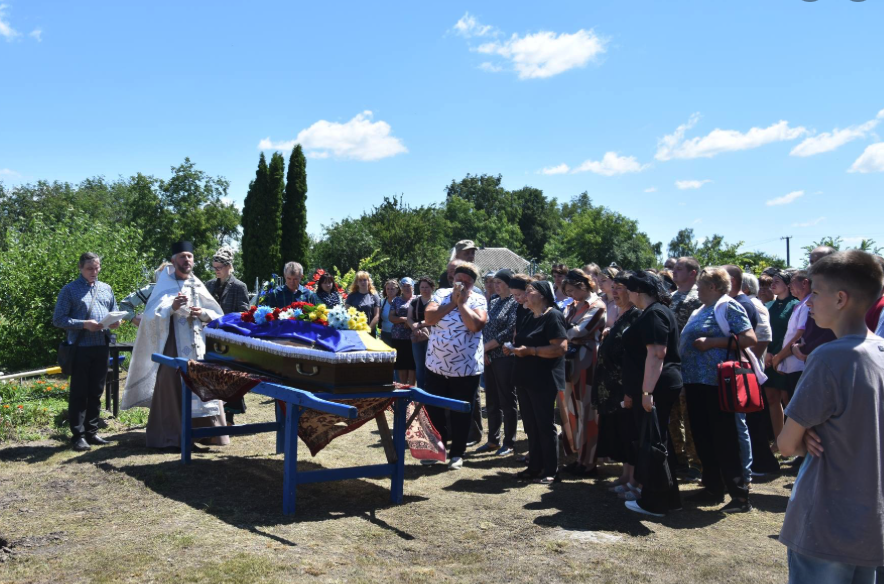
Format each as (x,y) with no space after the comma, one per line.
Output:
(36,409)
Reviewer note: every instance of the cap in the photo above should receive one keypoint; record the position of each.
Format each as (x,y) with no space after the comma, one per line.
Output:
(406,280)
(465,244)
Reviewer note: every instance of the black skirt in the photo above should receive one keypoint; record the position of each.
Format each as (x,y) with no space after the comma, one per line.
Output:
(404,354)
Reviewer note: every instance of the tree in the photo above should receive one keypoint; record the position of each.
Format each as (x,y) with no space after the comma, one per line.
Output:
(715,251)
(295,242)
(600,235)
(539,220)
(262,224)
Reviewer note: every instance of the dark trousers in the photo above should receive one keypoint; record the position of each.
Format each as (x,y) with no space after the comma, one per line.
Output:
(476,416)
(500,401)
(459,388)
(660,501)
(715,436)
(763,459)
(538,417)
(87,386)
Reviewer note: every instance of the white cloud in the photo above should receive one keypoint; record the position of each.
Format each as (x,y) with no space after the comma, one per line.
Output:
(560,169)
(6,30)
(9,172)
(697,221)
(691,184)
(490,67)
(545,54)
(36,34)
(871,160)
(785,199)
(816,221)
(468,27)
(719,141)
(358,139)
(651,190)
(828,141)
(612,164)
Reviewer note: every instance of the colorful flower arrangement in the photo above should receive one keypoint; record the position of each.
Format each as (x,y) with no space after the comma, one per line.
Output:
(340,317)
(313,284)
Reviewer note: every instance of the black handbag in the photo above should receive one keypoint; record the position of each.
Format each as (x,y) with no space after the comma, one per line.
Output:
(651,465)
(67,352)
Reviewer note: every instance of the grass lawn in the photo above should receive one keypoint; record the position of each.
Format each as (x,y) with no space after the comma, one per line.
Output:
(122,513)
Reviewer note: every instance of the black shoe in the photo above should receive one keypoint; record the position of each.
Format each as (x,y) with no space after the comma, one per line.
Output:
(705,496)
(96,440)
(737,507)
(80,444)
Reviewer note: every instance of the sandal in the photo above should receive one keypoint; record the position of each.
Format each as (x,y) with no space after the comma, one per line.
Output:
(545,480)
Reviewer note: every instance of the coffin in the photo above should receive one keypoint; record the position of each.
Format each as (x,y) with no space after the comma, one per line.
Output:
(302,366)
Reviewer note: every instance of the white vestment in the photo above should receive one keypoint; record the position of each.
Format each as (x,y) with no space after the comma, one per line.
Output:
(154,331)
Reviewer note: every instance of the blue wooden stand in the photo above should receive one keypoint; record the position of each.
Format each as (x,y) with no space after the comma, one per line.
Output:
(286,428)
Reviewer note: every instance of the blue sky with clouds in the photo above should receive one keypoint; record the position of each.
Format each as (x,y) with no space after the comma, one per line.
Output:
(753,119)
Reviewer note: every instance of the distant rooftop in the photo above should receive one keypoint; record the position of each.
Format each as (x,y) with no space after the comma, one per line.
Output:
(496,258)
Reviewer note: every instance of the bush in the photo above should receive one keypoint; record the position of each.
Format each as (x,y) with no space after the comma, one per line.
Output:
(37,259)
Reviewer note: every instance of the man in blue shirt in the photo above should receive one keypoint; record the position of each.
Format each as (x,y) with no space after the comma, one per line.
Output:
(282,296)
(81,306)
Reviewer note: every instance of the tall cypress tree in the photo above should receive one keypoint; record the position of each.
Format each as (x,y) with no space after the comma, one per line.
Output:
(262,222)
(295,242)
(271,222)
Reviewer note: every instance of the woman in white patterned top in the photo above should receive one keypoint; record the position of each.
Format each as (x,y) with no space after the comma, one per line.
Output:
(455,355)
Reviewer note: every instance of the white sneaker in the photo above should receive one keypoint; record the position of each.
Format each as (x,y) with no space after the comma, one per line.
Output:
(456,463)
(634,506)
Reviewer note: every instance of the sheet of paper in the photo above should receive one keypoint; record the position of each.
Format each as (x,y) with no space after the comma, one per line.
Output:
(111,318)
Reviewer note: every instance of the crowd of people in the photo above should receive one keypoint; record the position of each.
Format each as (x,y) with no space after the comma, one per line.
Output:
(590,359)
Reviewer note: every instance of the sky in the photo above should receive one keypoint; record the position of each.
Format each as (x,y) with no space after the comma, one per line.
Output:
(754,120)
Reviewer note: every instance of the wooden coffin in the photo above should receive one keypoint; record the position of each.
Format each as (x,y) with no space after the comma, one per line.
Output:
(304,367)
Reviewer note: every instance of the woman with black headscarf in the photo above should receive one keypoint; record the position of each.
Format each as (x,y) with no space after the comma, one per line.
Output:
(652,374)
(540,344)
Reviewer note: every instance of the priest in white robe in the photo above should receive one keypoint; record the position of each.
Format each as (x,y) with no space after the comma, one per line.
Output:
(172,324)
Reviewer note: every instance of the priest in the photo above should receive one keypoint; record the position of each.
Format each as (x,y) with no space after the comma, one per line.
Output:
(172,324)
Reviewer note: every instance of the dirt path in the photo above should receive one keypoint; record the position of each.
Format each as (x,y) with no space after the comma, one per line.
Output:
(121,513)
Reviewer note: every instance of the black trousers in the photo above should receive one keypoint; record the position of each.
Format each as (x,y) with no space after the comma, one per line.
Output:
(664,399)
(476,416)
(763,459)
(500,401)
(87,386)
(538,417)
(715,436)
(459,388)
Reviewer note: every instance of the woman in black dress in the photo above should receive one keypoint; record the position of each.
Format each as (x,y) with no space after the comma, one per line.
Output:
(652,375)
(540,344)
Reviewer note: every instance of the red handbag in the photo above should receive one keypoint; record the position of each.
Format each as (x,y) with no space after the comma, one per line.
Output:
(738,389)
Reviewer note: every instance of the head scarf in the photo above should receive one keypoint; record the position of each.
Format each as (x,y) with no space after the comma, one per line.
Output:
(784,275)
(505,275)
(546,290)
(650,284)
(518,284)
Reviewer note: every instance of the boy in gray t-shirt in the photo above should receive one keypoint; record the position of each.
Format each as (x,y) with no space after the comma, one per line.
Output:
(834,524)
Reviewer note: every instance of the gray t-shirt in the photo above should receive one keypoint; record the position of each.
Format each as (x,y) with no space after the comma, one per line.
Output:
(836,510)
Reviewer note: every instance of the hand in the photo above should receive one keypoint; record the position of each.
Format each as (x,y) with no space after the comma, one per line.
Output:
(116,325)
(92,326)
(487,359)
(768,360)
(604,334)
(775,361)
(195,311)
(647,402)
(523,351)
(702,344)
(627,402)
(812,443)
(179,301)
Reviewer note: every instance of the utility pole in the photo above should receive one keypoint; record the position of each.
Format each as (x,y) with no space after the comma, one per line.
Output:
(788,260)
